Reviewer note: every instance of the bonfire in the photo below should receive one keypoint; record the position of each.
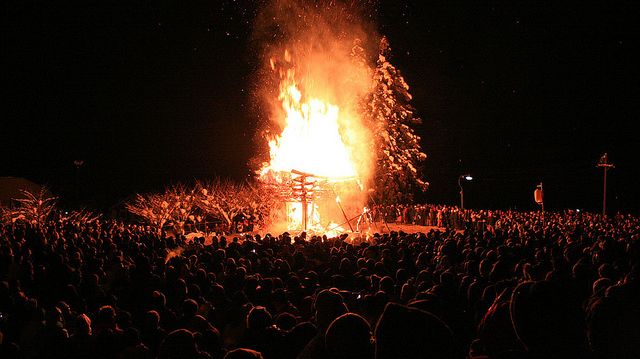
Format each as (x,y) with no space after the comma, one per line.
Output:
(311,160)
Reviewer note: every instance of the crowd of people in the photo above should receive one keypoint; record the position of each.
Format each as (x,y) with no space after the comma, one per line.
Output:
(522,286)
(434,216)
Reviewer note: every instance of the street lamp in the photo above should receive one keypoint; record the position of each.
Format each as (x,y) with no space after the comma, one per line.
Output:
(466,177)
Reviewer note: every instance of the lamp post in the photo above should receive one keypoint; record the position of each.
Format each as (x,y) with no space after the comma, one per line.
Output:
(466,177)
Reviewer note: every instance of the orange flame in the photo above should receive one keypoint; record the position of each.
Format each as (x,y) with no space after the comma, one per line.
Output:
(320,86)
(320,138)
(310,141)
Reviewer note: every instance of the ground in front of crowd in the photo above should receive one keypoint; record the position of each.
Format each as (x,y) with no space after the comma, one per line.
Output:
(375,228)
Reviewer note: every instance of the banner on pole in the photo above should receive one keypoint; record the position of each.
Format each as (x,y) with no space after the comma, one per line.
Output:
(538,195)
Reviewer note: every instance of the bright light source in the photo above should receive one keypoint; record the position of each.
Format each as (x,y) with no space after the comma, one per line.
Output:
(468,177)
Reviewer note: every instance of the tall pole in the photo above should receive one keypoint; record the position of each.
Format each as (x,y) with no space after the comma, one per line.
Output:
(343,213)
(338,202)
(461,193)
(304,202)
(542,204)
(538,195)
(604,192)
(544,229)
(303,195)
(605,165)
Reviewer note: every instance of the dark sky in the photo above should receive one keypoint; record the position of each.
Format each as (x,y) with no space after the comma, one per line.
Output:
(150,93)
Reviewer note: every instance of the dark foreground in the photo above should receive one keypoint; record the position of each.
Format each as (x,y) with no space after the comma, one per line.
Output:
(520,288)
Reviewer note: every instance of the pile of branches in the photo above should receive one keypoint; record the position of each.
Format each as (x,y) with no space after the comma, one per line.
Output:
(40,208)
(35,208)
(180,205)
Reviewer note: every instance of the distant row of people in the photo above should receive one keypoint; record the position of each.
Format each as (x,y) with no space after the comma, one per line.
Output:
(432,215)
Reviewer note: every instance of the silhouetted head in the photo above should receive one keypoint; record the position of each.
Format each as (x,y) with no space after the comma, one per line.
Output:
(329,305)
(613,329)
(243,353)
(83,325)
(349,336)
(189,308)
(259,318)
(151,319)
(106,317)
(545,320)
(178,344)
(404,332)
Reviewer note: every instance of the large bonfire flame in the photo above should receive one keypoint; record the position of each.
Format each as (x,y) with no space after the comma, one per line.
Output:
(311,155)
(320,153)
(310,141)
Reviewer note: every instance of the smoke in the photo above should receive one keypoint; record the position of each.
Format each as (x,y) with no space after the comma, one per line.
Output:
(313,41)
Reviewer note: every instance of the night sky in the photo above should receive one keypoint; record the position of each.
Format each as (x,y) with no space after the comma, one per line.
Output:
(150,93)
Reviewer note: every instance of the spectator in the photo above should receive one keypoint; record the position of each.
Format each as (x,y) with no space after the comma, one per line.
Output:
(403,332)
(349,336)
(516,285)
